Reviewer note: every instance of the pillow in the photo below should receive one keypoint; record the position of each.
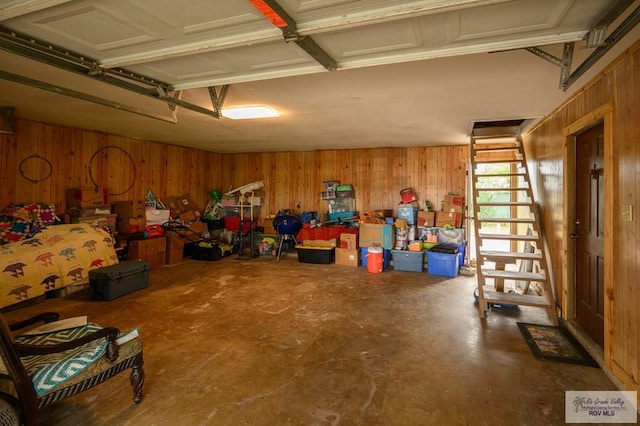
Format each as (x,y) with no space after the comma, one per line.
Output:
(14,229)
(42,213)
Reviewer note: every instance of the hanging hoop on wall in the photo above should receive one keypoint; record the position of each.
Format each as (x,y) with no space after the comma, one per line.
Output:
(35,157)
(133,166)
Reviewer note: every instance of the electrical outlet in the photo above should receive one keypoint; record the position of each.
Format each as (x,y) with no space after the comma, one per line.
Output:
(627,212)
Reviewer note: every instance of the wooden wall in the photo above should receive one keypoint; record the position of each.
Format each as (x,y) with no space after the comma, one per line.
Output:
(293,180)
(619,85)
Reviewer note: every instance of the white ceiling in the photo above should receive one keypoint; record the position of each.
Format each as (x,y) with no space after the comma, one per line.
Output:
(409,73)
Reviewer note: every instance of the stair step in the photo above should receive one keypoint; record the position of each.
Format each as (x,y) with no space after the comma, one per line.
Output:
(489,160)
(514,237)
(493,296)
(492,175)
(506,220)
(504,189)
(513,275)
(489,147)
(511,255)
(504,203)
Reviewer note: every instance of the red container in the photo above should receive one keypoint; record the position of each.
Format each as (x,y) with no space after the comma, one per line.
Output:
(155,231)
(408,195)
(233,224)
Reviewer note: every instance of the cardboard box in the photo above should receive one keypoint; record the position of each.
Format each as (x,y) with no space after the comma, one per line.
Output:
(174,241)
(453,203)
(190,216)
(333,242)
(87,197)
(426,219)
(98,221)
(348,241)
(88,211)
(267,224)
(175,255)
(408,212)
(347,256)
(129,208)
(198,227)
(449,219)
(130,225)
(180,204)
(373,233)
(152,250)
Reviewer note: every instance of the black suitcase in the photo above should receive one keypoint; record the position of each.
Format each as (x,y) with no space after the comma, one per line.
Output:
(110,282)
(445,248)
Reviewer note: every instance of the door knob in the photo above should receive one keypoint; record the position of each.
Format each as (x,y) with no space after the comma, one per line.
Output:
(573,236)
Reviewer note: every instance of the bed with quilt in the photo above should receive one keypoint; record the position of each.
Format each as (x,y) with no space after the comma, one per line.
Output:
(37,255)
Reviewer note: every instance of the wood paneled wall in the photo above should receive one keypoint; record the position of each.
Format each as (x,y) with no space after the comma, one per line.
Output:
(618,84)
(293,180)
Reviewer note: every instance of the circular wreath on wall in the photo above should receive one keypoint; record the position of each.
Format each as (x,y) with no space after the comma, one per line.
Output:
(35,158)
(103,152)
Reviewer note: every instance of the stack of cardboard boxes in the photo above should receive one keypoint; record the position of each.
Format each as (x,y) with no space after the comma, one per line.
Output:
(90,205)
(131,222)
(452,212)
(130,216)
(347,253)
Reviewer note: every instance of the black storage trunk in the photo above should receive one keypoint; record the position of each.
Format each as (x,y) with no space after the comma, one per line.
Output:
(113,281)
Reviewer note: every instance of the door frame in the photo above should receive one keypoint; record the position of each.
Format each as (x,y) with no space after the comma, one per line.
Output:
(602,114)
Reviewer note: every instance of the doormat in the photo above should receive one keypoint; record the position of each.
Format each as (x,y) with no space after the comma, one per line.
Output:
(555,344)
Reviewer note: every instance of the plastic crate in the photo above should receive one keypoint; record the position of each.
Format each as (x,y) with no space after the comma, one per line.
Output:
(411,261)
(342,215)
(111,282)
(311,254)
(443,264)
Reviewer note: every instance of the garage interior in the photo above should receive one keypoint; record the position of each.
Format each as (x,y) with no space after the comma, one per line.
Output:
(380,95)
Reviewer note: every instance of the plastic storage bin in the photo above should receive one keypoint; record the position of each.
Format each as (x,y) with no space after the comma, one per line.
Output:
(443,264)
(461,249)
(411,261)
(113,281)
(311,254)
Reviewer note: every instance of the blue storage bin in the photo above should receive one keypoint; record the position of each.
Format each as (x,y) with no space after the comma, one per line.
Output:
(461,250)
(443,264)
(386,257)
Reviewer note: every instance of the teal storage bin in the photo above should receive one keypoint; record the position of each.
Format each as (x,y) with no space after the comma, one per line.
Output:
(410,261)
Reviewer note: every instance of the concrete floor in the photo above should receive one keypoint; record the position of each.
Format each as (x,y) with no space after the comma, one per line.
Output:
(256,342)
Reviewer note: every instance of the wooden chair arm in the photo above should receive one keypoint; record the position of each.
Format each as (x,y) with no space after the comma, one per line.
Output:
(46,317)
(110,333)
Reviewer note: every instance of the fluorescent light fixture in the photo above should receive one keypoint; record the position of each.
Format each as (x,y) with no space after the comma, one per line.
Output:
(245,112)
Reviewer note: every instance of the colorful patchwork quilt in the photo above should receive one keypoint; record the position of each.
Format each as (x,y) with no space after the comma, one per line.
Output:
(23,221)
(56,257)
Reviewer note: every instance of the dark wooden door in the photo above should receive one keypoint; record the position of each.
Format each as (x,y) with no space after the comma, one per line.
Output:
(589,229)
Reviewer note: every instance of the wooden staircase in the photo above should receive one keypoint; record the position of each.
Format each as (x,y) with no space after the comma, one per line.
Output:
(511,261)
